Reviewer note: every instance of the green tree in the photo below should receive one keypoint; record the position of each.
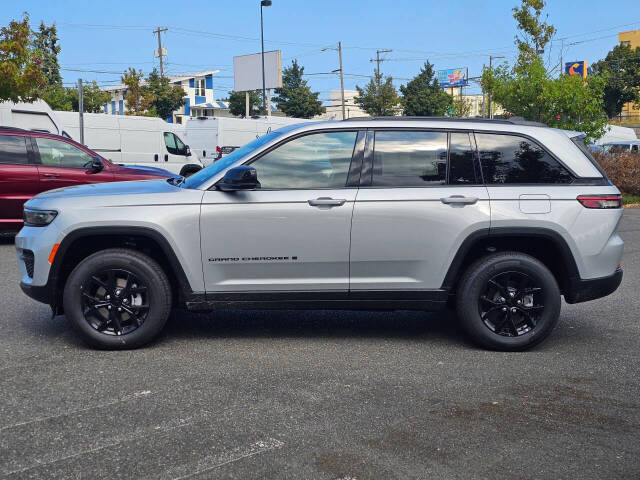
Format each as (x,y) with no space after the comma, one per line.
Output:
(461,107)
(45,41)
(423,96)
(59,97)
(379,98)
(21,77)
(166,97)
(93,99)
(138,100)
(295,98)
(529,91)
(621,68)
(237,103)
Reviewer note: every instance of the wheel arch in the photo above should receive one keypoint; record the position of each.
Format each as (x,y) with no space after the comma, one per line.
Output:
(82,242)
(190,169)
(545,244)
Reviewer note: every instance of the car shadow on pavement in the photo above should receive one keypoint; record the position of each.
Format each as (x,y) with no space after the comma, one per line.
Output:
(314,324)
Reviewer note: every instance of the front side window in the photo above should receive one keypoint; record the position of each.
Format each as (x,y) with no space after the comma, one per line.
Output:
(170,143)
(56,153)
(319,160)
(13,149)
(513,159)
(409,158)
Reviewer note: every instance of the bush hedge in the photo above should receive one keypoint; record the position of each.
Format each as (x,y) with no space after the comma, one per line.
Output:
(623,169)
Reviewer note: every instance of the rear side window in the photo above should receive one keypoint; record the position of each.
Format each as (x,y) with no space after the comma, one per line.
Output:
(513,159)
(409,158)
(13,149)
(462,164)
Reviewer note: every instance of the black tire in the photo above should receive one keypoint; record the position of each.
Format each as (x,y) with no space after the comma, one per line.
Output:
(508,301)
(140,291)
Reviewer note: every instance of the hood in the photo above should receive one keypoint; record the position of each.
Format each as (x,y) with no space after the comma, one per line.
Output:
(139,187)
(142,170)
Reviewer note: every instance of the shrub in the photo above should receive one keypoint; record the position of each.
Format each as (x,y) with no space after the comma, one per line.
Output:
(623,169)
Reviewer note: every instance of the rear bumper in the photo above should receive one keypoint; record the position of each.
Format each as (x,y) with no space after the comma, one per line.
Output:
(584,290)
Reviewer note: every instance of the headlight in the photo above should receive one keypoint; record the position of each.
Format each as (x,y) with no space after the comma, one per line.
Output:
(38,218)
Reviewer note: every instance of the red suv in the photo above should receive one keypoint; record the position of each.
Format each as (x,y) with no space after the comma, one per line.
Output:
(32,162)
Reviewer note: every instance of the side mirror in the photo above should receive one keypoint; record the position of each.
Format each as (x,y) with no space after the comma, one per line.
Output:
(95,165)
(243,177)
(187,151)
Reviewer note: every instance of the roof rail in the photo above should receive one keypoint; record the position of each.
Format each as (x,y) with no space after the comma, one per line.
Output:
(14,129)
(507,121)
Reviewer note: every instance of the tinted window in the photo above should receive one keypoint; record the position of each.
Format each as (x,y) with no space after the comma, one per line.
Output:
(512,159)
(56,153)
(320,160)
(462,165)
(409,159)
(13,149)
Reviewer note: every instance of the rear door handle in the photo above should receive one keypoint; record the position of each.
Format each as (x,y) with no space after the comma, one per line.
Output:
(459,200)
(327,202)
(166,157)
(51,175)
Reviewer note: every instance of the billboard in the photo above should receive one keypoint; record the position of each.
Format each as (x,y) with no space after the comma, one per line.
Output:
(247,71)
(576,68)
(453,77)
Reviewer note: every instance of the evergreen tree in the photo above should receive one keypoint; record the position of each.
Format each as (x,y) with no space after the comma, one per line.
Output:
(423,96)
(237,103)
(45,41)
(378,98)
(295,98)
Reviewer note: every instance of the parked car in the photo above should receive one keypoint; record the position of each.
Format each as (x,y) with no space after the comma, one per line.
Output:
(33,162)
(495,218)
(622,146)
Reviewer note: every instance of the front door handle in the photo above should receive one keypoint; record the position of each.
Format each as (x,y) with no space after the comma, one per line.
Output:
(51,175)
(155,157)
(327,202)
(459,200)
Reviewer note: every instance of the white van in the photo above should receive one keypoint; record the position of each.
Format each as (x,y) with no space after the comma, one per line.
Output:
(133,140)
(36,116)
(212,137)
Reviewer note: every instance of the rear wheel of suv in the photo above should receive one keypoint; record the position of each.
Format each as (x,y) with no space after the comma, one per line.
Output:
(117,299)
(508,301)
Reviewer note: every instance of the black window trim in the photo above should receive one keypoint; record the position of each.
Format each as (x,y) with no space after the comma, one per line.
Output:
(354,164)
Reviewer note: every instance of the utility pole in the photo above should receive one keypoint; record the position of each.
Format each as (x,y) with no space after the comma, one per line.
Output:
(561,52)
(489,93)
(378,59)
(339,50)
(81,110)
(160,53)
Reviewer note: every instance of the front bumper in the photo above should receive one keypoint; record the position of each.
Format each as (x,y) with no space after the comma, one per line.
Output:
(584,290)
(40,293)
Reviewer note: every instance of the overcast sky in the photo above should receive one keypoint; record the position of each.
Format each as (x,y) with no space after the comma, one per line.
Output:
(112,35)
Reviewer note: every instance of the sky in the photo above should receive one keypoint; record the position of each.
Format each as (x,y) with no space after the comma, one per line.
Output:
(110,36)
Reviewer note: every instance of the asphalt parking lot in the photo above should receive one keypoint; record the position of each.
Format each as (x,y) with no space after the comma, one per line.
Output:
(327,395)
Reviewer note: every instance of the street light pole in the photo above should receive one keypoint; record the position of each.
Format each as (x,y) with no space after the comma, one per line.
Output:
(263,3)
(339,50)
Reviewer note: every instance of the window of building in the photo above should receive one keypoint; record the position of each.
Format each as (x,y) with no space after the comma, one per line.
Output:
(513,159)
(13,149)
(320,160)
(56,153)
(625,43)
(199,85)
(409,158)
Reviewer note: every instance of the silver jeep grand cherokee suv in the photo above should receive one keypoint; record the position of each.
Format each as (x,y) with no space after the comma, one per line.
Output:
(495,218)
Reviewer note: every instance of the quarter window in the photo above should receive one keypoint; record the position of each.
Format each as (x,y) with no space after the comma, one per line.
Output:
(319,160)
(513,159)
(55,153)
(409,159)
(13,149)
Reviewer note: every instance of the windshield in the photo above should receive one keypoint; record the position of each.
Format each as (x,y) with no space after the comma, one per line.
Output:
(197,179)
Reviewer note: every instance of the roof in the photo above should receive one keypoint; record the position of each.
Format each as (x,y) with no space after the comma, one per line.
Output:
(172,78)
(510,121)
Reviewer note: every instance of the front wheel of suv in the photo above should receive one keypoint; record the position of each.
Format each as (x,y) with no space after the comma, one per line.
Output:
(508,301)
(117,299)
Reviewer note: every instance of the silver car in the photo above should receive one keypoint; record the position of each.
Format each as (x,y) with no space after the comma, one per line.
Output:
(496,219)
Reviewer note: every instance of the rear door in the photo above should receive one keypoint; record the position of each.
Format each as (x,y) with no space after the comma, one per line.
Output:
(62,164)
(18,179)
(421,195)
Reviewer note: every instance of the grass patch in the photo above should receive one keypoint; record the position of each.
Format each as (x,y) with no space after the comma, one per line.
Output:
(631,200)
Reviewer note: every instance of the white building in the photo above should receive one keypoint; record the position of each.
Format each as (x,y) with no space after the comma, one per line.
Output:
(334,109)
(198,87)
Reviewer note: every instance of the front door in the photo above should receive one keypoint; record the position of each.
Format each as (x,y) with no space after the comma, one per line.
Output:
(63,164)
(294,232)
(421,195)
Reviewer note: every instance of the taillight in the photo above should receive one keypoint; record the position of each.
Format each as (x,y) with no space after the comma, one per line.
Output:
(218,149)
(600,201)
